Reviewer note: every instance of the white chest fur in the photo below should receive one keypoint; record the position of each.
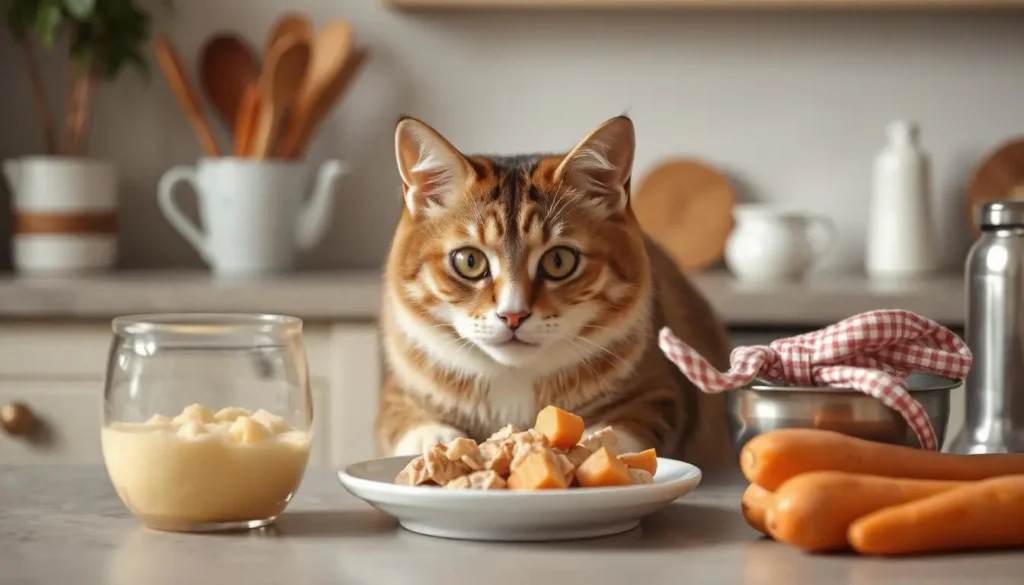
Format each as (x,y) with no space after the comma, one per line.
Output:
(510,399)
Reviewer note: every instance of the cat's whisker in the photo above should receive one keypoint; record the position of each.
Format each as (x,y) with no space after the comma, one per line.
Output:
(583,360)
(606,350)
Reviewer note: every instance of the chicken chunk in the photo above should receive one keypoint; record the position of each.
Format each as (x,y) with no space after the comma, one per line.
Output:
(440,468)
(640,476)
(496,457)
(479,480)
(606,438)
(414,473)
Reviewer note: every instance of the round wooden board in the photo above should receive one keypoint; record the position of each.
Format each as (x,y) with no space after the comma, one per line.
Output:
(686,206)
(997,177)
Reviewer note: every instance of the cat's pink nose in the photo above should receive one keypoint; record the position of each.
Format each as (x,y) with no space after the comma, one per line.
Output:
(514,319)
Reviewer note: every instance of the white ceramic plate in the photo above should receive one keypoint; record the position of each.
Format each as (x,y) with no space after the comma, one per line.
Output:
(511,515)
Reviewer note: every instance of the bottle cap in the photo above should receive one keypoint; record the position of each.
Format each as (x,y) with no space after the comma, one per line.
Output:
(1001,214)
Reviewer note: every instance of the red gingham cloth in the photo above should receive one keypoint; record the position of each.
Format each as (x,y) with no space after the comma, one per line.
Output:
(872,352)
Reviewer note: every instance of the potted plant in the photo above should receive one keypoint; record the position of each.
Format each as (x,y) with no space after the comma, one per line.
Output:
(64,202)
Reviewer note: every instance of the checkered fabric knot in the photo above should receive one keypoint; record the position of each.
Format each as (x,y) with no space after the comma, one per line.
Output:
(872,352)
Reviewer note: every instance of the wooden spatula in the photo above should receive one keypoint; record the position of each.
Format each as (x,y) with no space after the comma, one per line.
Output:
(329,98)
(227,66)
(173,70)
(280,84)
(331,50)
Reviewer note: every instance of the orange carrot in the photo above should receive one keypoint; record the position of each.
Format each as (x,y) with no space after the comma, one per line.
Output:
(813,510)
(646,460)
(537,472)
(754,504)
(984,514)
(776,456)
(562,429)
(602,469)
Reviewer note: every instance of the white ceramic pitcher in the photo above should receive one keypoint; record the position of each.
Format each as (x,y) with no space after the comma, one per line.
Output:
(255,213)
(770,244)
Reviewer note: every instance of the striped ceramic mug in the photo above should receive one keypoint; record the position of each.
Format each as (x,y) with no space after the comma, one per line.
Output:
(65,214)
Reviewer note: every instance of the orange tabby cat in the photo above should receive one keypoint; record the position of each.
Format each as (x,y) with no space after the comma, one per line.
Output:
(515,283)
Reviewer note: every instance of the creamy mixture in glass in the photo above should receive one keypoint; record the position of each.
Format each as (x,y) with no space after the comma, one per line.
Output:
(206,467)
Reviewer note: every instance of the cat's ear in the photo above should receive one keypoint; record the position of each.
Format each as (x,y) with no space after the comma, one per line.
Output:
(433,171)
(601,165)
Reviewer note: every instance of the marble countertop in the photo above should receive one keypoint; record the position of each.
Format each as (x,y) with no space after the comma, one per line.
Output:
(326,296)
(66,525)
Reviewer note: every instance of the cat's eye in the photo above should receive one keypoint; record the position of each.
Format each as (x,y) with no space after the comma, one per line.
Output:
(470,263)
(559,263)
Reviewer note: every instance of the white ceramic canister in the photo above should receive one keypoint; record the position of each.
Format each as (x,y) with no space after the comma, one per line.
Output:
(770,244)
(901,235)
(65,214)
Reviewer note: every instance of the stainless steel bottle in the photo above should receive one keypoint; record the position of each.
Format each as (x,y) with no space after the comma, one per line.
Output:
(994,417)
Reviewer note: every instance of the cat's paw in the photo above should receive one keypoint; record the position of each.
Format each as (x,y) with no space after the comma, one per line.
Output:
(415,440)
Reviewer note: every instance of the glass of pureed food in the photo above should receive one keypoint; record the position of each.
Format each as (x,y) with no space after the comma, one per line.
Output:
(207,418)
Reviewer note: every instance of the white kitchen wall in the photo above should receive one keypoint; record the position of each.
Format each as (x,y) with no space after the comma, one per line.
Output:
(792,106)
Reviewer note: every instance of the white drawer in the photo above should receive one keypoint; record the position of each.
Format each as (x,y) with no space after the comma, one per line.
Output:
(70,414)
(75,350)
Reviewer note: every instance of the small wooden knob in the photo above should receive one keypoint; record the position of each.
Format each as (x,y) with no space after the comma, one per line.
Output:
(17,419)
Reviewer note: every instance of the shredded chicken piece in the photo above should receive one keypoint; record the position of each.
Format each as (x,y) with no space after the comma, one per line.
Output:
(578,454)
(640,476)
(480,480)
(465,452)
(496,457)
(503,433)
(606,438)
(414,473)
(440,468)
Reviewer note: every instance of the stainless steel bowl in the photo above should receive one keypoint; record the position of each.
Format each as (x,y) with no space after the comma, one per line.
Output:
(764,407)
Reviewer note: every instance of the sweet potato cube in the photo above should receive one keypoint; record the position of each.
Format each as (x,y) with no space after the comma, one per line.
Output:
(602,469)
(537,472)
(646,460)
(562,429)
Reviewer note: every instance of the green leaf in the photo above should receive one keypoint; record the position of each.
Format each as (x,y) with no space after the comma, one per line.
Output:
(80,9)
(48,22)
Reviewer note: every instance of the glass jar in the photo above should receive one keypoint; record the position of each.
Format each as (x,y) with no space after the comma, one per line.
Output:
(207,419)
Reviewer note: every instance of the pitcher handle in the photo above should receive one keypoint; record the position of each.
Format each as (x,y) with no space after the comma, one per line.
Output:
(169,207)
(821,232)
(316,216)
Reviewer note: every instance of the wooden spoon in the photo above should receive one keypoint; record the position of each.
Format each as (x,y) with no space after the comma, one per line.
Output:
(330,97)
(289,24)
(245,125)
(279,86)
(171,66)
(226,67)
(331,50)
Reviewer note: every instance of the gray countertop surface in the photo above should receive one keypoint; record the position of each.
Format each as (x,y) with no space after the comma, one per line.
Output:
(66,525)
(339,296)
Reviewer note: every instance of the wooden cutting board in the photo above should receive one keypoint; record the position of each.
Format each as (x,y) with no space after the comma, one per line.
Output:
(999,176)
(686,206)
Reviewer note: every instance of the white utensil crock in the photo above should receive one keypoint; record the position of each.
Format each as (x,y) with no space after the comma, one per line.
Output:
(255,214)
(769,245)
(65,214)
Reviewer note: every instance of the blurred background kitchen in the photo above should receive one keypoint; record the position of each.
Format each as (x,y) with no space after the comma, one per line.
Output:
(772,143)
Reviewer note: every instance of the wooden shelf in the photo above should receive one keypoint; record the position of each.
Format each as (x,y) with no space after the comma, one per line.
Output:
(708,4)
